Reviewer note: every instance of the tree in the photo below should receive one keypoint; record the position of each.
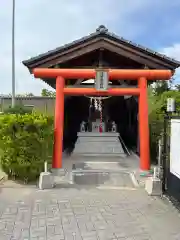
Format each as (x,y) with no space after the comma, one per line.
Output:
(157,107)
(21,95)
(29,95)
(47,93)
(160,87)
(25,95)
(177,86)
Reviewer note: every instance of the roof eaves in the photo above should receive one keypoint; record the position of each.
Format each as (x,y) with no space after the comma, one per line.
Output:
(66,46)
(172,60)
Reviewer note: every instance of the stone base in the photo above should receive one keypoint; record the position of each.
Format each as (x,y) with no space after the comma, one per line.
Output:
(97,144)
(153,186)
(46,181)
(58,172)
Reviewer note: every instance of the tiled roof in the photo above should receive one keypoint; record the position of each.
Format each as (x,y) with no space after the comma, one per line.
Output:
(102,31)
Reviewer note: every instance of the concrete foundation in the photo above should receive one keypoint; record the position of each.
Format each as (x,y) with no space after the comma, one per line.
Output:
(58,172)
(46,180)
(153,186)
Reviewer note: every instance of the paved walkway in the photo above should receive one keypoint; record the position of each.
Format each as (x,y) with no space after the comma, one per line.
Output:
(116,209)
(85,213)
(126,163)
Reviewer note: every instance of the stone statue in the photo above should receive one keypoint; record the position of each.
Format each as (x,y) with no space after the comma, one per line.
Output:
(114,127)
(83,127)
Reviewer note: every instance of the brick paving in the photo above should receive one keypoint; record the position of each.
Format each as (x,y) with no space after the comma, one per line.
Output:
(85,213)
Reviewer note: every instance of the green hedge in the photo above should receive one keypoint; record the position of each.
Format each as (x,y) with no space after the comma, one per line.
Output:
(26,141)
(157,105)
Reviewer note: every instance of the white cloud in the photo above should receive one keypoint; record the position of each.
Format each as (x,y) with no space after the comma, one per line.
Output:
(42,25)
(174,52)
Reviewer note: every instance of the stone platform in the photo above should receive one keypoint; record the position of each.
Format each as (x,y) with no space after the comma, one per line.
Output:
(98,144)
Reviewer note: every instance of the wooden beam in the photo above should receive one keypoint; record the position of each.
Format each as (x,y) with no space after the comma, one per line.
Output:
(67,55)
(135,56)
(140,54)
(91,86)
(114,74)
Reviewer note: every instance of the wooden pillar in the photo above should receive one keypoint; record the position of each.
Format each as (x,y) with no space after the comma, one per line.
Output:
(143,125)
(58,124)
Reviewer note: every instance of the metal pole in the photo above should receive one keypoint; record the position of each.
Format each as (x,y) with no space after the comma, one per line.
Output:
(13,55)
(164,165)
(159,153)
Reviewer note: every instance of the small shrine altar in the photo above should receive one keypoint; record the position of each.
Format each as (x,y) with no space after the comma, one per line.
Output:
(98,139)
(97,126)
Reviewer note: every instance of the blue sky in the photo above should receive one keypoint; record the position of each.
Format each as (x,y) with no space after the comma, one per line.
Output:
(42,25)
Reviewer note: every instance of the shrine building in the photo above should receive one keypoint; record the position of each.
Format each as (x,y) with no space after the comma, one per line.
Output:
(101,94)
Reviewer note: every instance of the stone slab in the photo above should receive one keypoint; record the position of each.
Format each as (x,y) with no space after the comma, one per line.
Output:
(46,181)
(153,186)
(58,172)
(97,144)
(97,134)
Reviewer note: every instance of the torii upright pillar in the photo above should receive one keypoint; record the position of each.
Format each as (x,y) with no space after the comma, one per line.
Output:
(143,124)
(58,126)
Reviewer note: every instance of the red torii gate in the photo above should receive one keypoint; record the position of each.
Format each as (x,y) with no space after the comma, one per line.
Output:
(130,74)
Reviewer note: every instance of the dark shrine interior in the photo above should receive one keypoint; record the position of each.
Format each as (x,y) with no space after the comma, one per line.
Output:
(123,112)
